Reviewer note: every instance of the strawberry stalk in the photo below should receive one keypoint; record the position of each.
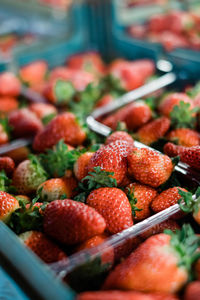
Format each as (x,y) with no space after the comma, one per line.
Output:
(182,116)
(188,203)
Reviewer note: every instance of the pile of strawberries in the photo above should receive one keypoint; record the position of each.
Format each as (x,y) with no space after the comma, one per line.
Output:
(175,29)
(72,190)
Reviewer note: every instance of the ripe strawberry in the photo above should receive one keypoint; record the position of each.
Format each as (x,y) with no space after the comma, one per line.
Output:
(138,115)
(42,109)
(190,205)
(166,199)
(171,100)
(64,126)
(157,265)
(140,197)
(112,158)
(33,73)
(71,222)
(107,256)
(42,246)
(159,228)
(8,204)
(9,85)
(55,188)
(24,122)
(8,104)
(192,291)
(123,295)
(81,165)
(188,155)
(28,175)
(149,167)
(7,164)
(185,137)
(154,130)
(114,206)
(116,117)
(126,247)
(119,135)
(106,99)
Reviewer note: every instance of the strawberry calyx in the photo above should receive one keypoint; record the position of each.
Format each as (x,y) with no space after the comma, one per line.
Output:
(193,92)
(37,167)
(48,118)
(6,183)
(188,203)
(182,116)
(133,201)
(96,179)
(6,127)
(64,91)
(185,243)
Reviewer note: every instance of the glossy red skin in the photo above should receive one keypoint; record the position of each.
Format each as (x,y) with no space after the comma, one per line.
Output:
(63,126)
(70,222)
(10,85)
(171,100)
(114,206)
(81,165)
(42,246)
(192,291)
(137,31)
(24,123)
(42,109)
(7,164)
(8,204)
(138,115)
(106,99)
(119,135)
(185,136)
(4,138)
(8,104)
(34,73)
(188,155)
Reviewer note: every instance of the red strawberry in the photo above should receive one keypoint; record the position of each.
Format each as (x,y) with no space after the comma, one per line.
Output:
(9,85)
(171,41)
(138,115)
(114,206)
(140,197)
(156,265)
(112,158)
(64,126)
(188,155)
(28,175)
(185,137)
(137,31)
(166,199)
(119,135)
(8,204)
(192,291)
(106,99)
(71,222)
(159,228)
(24,122)
(42,109)
(119,116)
(42,246)
(154,130)
(33,73)
(168,103)
(55,188)
(81,165)
(7,164)
(149,167)
(8,104)
(126,247)
(123,295)
(158,23)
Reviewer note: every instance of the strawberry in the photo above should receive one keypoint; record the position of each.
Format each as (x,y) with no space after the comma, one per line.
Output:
(63,126)
(138,115)
(137,31)
(42,246)
(171,100)
(28,175)
(42,110)
(114,206)
(158,264)
(33,73)
(4,131)
(19,154)
(159,228)
(123,295)
(89,61)
(106,99)
(192,291)
(112,158)
(70,222)
(8,104)
(57,188)
(9,85)
(126,247)
(24,122)
(23,198)
(81,165)
(149,167)
(153,131)
(119,135)
(188,155)
(7,164)
(185,137)
(140,197)
(8,204)
(166,199)
(116,117)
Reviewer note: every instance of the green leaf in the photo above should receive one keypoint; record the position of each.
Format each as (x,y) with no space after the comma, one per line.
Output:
(64,91)
(182,116)
(48,118)
(5,124)
(175,160)
(193,92)
(6,183)
(133,201)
